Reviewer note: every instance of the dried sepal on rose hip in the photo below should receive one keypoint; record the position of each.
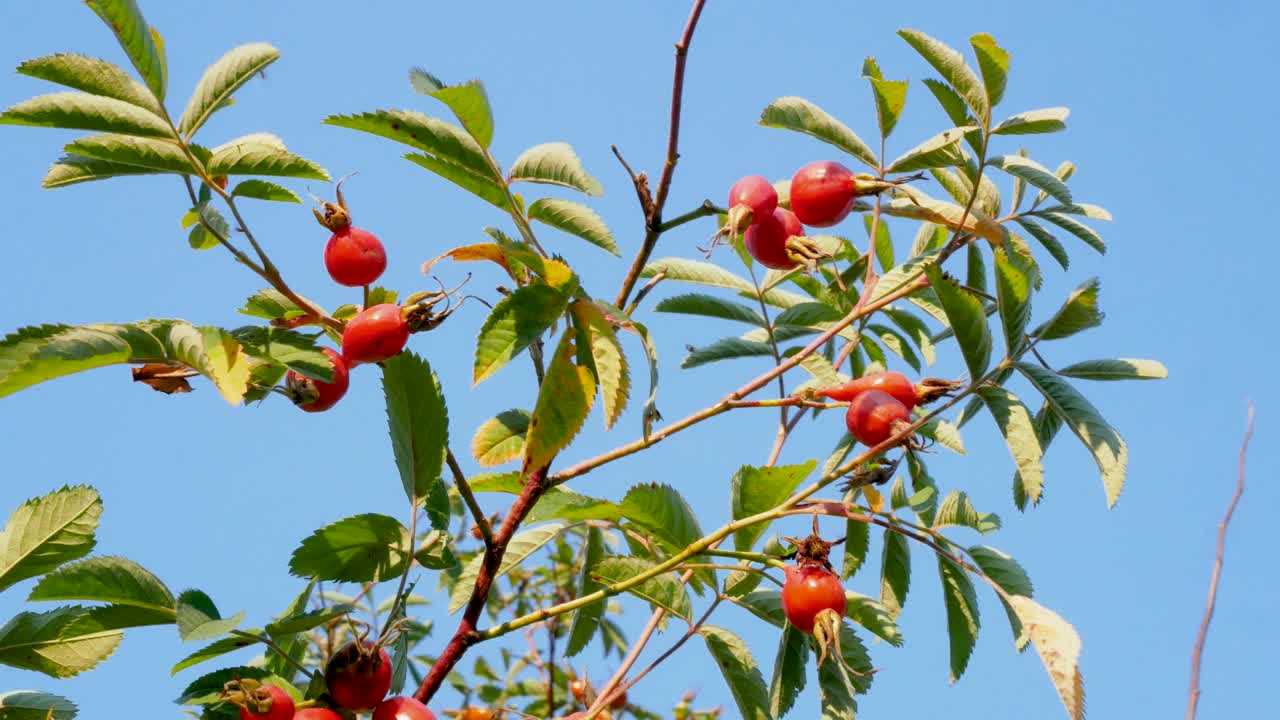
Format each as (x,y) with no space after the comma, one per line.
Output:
(353,256)
(258,701)
(359,675)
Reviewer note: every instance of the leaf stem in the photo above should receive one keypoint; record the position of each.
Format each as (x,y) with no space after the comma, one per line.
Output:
(469,497)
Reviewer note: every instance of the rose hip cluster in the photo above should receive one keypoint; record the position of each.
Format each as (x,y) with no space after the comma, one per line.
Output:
(880,403)
(822,194)
(358,677)
(354,257)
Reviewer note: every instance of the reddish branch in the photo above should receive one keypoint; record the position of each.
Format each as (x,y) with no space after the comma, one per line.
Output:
(1217,571)
(653,213)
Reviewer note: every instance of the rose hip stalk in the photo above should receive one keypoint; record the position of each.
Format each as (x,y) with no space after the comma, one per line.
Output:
(353,256)
(778,242)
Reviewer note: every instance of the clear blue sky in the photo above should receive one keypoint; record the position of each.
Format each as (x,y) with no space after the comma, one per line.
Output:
(1171,129)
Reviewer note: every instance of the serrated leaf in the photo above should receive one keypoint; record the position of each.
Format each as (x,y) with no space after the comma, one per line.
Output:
(438,139)
(944,433)
(516,321)
(60,643)
(575,219)
(1035,174)
(710,306)
(198,618)
(150,153)
(951,65)
(968,320)
(524,544)
(1079,229)
(663,513)
(91,75)
(725,349)
(109,580)
(1080,312)
(740,672)
(554,164)
(82,111)
(952,104)
(221,80)
(918,206)
(756,489)
(564,401)
(895,572)
(135,36)
(800,115)
(252,157)
(478,184)
(607,358)
(292,349)
(468,101)
(1013,294)
(1084,209)
(1019,431)
(215,649)
(586,620)
(263,190)
(32,705)
(873,616)
(215,354)
(1058,645)
(962,614)
(500,438)
(695,271)
(788,671)
(1046,239)
(303,621)
(914,328)
(73,169)
(1109,450)
(941,150)
(664,590)
(1047,424)
(1031,122)
(993,61)
(857,542)
(1118,369)
(1004,571)
(47,531)
(890,96)
(957,510)
(361,548)
(419,426)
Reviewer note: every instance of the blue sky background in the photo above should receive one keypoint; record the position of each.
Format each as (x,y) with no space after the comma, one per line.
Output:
(1172,130)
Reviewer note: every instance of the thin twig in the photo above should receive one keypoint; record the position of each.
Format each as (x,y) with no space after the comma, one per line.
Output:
(1196,652)
(469,498)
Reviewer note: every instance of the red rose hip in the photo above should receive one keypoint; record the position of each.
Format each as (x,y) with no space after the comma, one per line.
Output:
(316,714)
(894,383)
(402,708)
(766,239)
(315,395)
(265,702)
(873,416)
(375,334)
(809,590)
(750,199)
(822,193)
(354,257)
(358,676)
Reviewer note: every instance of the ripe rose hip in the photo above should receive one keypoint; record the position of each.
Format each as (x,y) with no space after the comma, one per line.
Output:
(893,383)
(314,395)
(822,193)
(475,713)
(316,714)
(354,257)
(267,702)
(402,708)
(809,590)
(750,199)
(374,334)
(358,676)
(873,416)
(766,239)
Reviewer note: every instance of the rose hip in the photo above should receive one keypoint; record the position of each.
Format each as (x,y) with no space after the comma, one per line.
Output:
(766,240)
(822,193)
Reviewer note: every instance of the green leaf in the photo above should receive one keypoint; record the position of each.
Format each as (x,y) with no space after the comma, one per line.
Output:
(754,490)
(47,531)
(1035,174)
(607,358)
(962,614)
(916,205)
(94,76)
(32,705)
(857,542)
(524,544)
(915,329)
(663,513)
(438,139)
(82,111)
(710,306)
(564,401)
(695,271)
(1004,571)
(951,65)
(725,349)
(764,604)
(518,320)
(290,348)
(740,672)
(586,620)
(1019,431)
(663,591)
(1084,209)
(198,618)
(480,185)
(554,164)
(882,243)
(873,616)
(800,115)
(890,96)
(215,649)
(1109,449)
(895,572)
(215,354)
(1032,122)
(1013,293)
(1080,312)
(207,689)
(60,643)
(303,621)
(575,219)
(788,671)
(562,504)
(263,190)
(73,169)
(419,425)
(1080,230)
(1047,424)
(957,510)
(941,150)
(993,61)
(500,438)
(468,101)
(896,343)
(248,156)
(1118,369)
(109,580)
(135,36)
(221,80)
(968,320)
(361,548)
(270,304)
(952,104)
(150,153)
(1058,645)
(1046,239)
